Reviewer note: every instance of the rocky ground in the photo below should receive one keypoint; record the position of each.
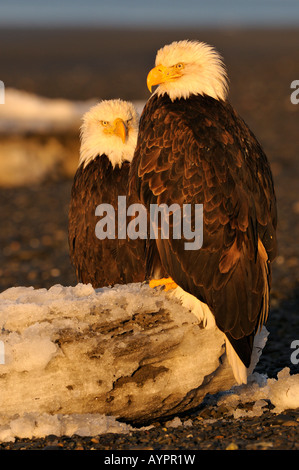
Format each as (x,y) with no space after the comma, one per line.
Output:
(279,432)
(33,234)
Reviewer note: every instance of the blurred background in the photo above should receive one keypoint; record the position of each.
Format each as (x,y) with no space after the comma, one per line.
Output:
(58,58)
(79,49)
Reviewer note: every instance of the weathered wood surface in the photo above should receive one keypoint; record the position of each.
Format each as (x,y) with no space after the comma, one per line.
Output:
(127,351)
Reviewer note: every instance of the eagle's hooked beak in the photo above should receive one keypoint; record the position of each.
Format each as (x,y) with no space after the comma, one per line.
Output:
(161,74)
(120,129)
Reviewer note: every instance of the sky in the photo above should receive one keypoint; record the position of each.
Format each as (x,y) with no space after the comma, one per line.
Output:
(134,13)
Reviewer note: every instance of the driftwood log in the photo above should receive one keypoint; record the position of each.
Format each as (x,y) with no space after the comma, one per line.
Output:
(128,351)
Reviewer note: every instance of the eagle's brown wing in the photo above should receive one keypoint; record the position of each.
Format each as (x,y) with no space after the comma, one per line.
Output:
(109,261)
(199,151)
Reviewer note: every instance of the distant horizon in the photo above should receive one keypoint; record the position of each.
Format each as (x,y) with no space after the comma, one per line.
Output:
(160,13)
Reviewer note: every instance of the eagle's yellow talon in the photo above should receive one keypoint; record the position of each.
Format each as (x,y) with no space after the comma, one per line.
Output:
(167,282)
(171,285)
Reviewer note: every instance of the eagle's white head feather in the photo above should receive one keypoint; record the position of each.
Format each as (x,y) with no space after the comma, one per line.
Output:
(111,128)
(189,67)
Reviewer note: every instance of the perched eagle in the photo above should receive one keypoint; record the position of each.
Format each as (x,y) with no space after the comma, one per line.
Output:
(193,148)
(108,140)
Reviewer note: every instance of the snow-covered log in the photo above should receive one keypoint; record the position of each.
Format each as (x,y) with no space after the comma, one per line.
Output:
(130,352)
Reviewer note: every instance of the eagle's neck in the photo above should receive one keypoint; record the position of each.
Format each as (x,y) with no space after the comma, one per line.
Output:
(88,155)
(117,152)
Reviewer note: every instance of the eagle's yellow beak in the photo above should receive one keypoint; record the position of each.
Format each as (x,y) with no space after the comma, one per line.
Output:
(119,128)
(161,74)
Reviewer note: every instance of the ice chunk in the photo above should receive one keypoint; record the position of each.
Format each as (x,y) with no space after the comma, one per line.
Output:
(40,425)
(284,392)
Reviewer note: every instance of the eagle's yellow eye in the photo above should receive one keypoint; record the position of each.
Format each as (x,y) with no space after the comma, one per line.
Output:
(179,66)
(105,123)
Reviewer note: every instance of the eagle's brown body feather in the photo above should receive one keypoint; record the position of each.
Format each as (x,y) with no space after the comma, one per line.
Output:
(199,151)
(109,261)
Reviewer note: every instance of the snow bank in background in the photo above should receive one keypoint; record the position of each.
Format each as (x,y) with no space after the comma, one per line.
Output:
(26,157)
(27,337)
(26,112)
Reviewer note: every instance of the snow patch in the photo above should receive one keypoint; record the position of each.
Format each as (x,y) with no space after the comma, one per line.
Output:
(31,150)
(27,112)
(40,425)
(283,393)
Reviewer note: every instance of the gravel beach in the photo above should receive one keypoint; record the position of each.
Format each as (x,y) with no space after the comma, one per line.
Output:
(87,64)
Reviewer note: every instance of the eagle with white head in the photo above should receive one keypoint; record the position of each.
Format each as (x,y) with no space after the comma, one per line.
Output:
(193,148)
(108,140)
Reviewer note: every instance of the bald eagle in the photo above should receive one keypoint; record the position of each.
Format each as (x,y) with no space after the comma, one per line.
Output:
(193,148)
(108,140)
